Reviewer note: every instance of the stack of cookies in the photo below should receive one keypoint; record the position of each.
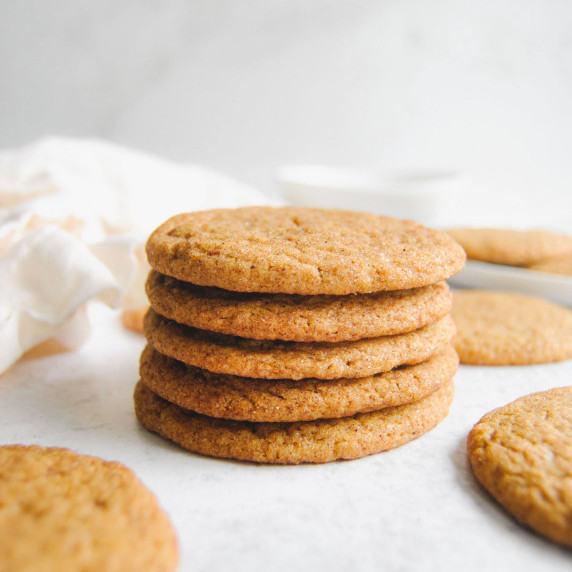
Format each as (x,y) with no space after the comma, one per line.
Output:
(290,335)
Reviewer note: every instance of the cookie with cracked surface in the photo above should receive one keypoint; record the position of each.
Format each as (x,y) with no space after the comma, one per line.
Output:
(522,455)
(63,511)
(294,317)
(276,359)
(295,250)
(506,328)
(320,441)
(261,400)
(509,246)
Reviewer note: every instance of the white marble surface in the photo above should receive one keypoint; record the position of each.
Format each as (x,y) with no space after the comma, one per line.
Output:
(414,508)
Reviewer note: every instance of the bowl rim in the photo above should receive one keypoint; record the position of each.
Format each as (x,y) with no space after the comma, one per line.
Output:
(372,180)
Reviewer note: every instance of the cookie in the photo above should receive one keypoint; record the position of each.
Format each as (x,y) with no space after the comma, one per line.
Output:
(64,511)
(318,441)
(504,328)
(295,317)
(522,455)
(243,357)
(554,265)
(245,399)
(511,247)
(132,318)
(301,251)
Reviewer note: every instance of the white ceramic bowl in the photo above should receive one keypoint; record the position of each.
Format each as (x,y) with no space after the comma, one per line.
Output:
(418,194)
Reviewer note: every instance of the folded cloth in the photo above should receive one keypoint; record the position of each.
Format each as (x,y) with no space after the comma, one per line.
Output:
(74,215)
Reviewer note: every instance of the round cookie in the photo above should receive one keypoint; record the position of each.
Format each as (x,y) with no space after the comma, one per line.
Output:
(293,250)
(511,247)
(295,317)
(554,265)
(522,455)
(318,441)
(293,360)
(505,328)
(64,511)
(245,399)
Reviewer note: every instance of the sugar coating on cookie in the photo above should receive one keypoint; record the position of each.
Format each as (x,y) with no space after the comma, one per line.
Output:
(302,251)
(318,318)
(64,511)
(506,328)
(261,400)
(320,441)
(511,247)
(522,455)
(294,360)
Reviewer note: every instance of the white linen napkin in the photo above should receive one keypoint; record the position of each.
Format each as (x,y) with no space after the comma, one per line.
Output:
(74,215)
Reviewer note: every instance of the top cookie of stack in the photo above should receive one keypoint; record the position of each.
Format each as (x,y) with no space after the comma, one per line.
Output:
(247,302)
(302,251)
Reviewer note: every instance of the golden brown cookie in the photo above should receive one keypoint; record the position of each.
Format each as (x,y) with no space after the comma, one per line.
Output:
(505,328)
(554,265)
(511,247)
(246,399)
(219,353)
(301,251)
(64,511)
(318,441)
(522,455)
(294,317)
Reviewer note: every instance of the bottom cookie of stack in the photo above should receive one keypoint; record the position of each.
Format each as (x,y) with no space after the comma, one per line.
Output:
(291,442)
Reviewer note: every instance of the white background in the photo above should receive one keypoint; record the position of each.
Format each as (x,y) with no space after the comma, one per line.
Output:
(480,86)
